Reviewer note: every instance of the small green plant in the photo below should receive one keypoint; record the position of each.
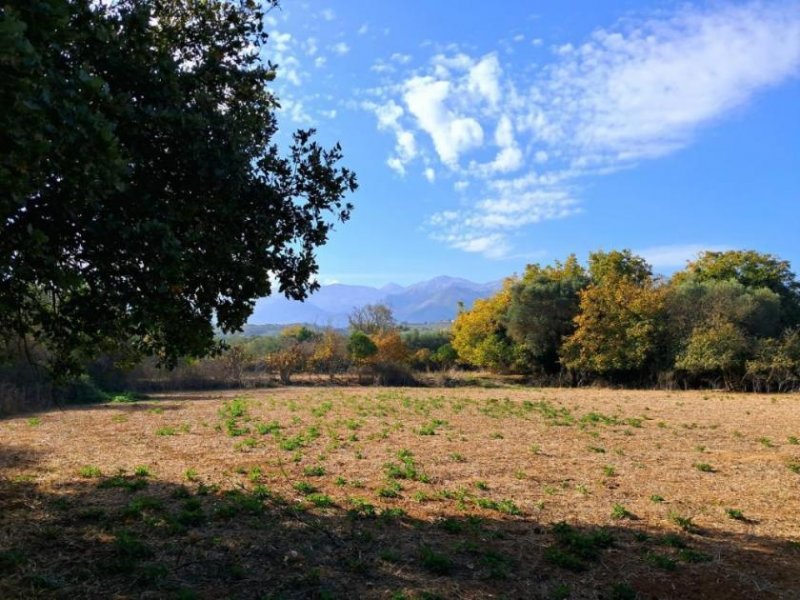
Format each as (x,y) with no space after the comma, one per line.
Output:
(390,490)
(361,508)
(166,431)
(459,458)
(90,472)
(574,549)
(793,440)
(735,514)
(142,471)
(315,471)
(431,427)
(191,475)
(255,474)
(34,421)
(268,428)
(794,466)
(766,442)
(246,444)
(320,500)
(609,470)
(662,561)
(435,562)
(126,482)
(622,591)
(482,485)
(503,506)
(305,488)
(560,591)
(597,449)
(656,498)
(620,512)
(685,523)
(704,468)
(340,481)
(234,409)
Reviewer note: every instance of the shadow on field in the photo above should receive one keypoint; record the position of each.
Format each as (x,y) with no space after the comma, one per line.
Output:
(133,536)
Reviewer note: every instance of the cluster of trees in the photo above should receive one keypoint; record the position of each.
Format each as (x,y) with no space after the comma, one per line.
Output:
(729,319)
(374,346)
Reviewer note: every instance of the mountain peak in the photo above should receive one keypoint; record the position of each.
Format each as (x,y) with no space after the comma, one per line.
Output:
(429,301)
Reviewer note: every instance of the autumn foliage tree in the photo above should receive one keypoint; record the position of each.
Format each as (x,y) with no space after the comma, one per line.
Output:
(480,335)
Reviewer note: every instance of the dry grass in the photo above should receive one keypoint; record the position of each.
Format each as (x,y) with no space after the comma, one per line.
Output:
(471,510)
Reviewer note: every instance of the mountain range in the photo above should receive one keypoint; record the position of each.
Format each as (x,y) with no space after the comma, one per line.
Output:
(430,301)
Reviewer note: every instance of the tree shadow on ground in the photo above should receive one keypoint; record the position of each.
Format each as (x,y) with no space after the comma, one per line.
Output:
(134,536)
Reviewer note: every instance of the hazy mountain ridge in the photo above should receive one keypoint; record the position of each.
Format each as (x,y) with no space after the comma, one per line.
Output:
(428,301)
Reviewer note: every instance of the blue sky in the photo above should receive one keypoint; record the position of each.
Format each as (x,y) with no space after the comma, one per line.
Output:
(487,136)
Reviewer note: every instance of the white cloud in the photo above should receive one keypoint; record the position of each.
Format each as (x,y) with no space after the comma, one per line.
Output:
(401,58)
(451,134)
(675,255)
(295,110)
(311,46)
(340,48)
(494,245)
(644,92)
(328,14)
(430,175)
(320,61)
(632,92)
(484,78)
(279,42)
(363,29)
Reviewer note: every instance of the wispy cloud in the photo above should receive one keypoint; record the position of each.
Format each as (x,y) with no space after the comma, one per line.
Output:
(340,48)
(636,91)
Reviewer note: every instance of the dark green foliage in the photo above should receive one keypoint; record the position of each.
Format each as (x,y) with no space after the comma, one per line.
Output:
(542,310)
(141,197)
(360,346)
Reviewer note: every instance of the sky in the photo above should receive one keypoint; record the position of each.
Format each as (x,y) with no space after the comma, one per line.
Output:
(487,136)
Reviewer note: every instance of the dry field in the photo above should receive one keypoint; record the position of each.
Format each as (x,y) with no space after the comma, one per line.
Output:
(405,493)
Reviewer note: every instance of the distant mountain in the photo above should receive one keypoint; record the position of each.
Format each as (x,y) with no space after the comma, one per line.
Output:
(425,302)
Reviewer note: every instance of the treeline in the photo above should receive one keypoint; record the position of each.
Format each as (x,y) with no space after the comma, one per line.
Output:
(374,349)
(727,320)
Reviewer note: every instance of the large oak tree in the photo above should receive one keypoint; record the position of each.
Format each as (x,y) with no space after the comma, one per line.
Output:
(143,200)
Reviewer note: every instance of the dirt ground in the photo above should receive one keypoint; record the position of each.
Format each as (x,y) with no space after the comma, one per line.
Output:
(405,493)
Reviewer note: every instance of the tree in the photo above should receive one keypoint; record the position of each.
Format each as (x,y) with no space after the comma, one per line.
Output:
(295,349)
(618,264)
(361,347)
(330,353)
(776,363)
(752,270)
(372,319)
(619,324)
(543,308)
(480,337)
(142,198)
(718,349)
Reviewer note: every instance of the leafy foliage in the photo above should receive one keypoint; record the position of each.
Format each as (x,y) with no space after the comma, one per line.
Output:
(141,197)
